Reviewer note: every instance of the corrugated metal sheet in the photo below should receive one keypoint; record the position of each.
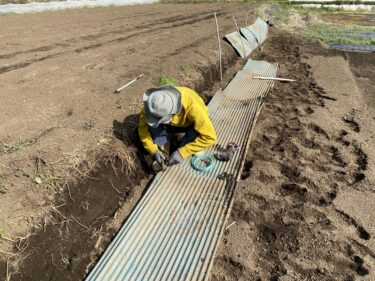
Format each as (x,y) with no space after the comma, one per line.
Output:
(259,67)
(263,27)
(250,37)
(255,35)
(240,44)
(175,229)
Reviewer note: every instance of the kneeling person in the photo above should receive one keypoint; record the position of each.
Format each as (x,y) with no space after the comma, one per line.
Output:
(169,111)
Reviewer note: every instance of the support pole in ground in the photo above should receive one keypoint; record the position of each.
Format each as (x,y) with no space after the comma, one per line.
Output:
(218,40)
(238,30)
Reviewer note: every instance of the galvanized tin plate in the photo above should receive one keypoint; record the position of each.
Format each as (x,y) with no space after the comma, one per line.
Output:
(257,31)
(174,231)
(254,34)
(240,44)
(250,37)
(261,68)
(263,26)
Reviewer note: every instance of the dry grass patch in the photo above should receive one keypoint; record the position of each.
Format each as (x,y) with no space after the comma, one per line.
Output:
(109,152)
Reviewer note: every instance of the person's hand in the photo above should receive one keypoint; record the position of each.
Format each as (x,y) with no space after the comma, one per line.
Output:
(175,158)
(159,157)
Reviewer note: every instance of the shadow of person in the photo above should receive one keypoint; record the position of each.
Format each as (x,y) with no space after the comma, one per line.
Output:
(127,131)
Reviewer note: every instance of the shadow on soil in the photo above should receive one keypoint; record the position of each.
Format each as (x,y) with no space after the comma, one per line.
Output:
(62,247)
(75,232)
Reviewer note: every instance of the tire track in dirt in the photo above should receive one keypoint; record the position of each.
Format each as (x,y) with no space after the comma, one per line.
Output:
(92,37)
(125,38)
(35,50)
(116,40)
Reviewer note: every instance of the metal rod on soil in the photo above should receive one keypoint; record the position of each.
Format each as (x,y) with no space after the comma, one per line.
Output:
(274,78)
(128,84)
(238,30)
(218,40)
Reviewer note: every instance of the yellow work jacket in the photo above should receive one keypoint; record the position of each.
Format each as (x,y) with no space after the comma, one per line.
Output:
(194,112)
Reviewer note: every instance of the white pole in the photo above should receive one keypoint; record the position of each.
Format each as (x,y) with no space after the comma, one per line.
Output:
(128,84)
(218,39)
(273,78)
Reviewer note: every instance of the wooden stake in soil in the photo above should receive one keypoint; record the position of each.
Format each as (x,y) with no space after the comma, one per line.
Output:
(218,39)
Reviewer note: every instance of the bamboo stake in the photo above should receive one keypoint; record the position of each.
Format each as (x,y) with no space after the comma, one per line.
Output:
(218,40)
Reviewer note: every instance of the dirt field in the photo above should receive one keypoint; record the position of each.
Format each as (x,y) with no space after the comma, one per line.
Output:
(303,209)
(58,113)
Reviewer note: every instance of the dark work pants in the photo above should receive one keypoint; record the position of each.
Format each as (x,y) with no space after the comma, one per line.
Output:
(164,133)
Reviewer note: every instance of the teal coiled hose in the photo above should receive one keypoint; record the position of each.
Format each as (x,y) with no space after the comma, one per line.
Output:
(202,163)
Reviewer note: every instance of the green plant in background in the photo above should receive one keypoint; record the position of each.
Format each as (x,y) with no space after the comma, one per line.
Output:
(164,80)
(309,22)
(2,232)
(300,8)
(185,67)
(352,34)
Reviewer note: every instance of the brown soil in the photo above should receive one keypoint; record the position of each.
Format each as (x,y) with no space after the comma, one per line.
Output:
(64,70)
(303,206)
(303,210)
(61,249)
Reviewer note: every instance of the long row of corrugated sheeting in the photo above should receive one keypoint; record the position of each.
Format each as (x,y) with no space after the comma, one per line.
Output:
(174,231)
(249,37)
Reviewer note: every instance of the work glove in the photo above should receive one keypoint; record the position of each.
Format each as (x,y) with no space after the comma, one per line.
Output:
(175,158)
(159,157)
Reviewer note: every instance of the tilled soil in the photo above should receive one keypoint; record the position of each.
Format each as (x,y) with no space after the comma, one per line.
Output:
(57,81)
(292,219)
(64,245)
(58,72)
(309,150)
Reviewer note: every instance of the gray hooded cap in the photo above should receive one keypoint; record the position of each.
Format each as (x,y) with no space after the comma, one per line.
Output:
(161,104)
